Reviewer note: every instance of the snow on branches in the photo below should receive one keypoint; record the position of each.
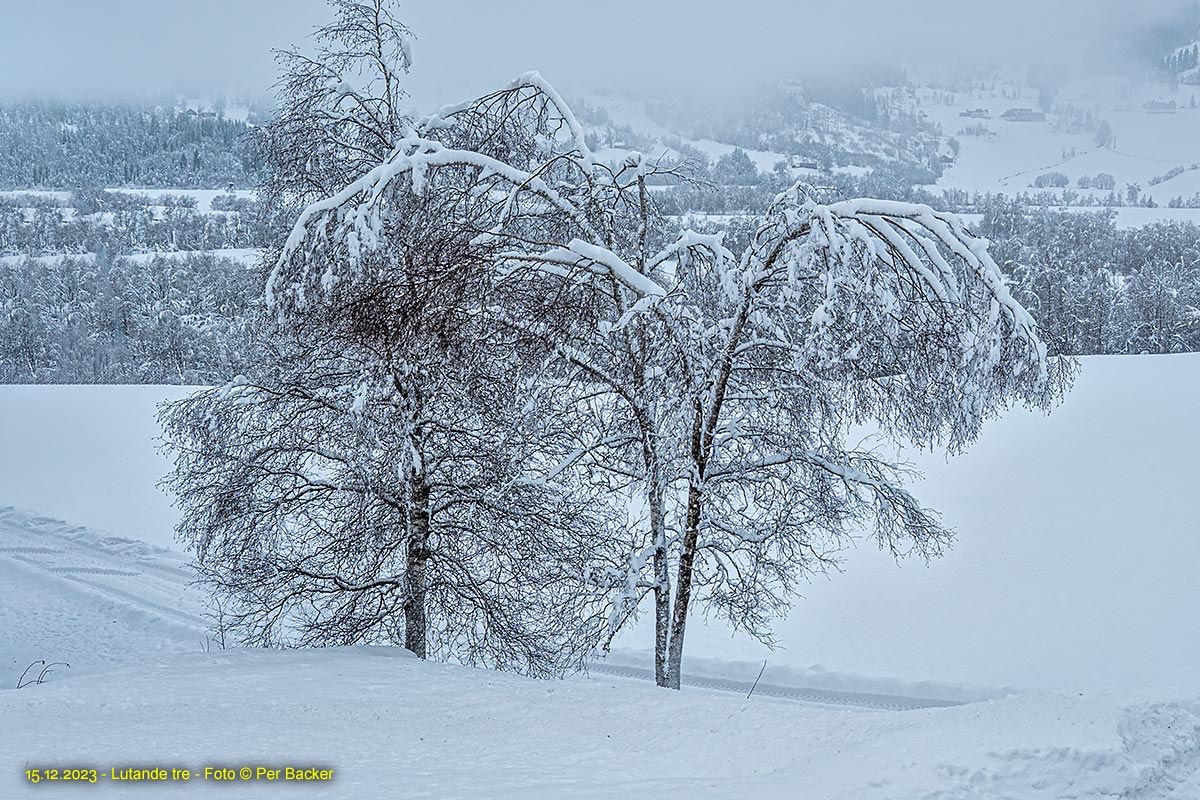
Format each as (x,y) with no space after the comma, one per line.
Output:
(693,400)
(903,306)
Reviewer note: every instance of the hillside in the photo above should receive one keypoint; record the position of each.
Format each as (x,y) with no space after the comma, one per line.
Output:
(1139,145)
(388,725)
(1073,565)
(776,124)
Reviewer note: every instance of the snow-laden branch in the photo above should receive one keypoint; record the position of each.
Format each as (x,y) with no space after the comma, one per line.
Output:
(353,213)
(599,259)
(886,253)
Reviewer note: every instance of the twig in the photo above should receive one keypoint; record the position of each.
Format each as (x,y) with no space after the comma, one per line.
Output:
(46,670)
(756,680)
(26,672)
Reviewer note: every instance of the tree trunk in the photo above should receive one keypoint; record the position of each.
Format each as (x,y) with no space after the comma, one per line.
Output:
(418,559)
(683,584)
(662,587)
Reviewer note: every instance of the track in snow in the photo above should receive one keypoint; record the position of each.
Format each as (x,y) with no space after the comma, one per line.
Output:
(800,694)
(88,598)
(73,579)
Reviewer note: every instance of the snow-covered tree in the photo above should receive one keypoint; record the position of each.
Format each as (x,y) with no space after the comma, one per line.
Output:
(322,514)
(713,392)
(857,313)
(394,476)
(339,107)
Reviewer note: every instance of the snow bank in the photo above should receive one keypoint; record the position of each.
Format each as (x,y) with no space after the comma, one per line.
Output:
(389,725)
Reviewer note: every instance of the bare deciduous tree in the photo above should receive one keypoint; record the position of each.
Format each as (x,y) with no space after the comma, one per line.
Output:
(720,389)
(711,395)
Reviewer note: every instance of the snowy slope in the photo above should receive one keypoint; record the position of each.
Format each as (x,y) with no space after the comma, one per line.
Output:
(1074,571)
(1145,145)
(391,726)
(846,135)
(1075,562)
(93,600)
(1074,566)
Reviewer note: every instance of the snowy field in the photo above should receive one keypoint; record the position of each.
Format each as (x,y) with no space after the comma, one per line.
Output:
(1049,654)
(391,726)
(1073,567)
(1012,154)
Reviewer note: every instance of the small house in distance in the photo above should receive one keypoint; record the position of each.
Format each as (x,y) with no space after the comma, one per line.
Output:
(1159,107)
(800,162)
(1024,115)
(975,113)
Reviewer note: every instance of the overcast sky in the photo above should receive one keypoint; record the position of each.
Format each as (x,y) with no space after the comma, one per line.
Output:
(72,47)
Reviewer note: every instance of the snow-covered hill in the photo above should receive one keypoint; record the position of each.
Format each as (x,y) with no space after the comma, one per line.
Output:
(88,601)
(813,131)
(388,725)
(1074,565)
(1006,156)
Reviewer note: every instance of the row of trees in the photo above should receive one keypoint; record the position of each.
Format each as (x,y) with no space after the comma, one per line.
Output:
(508,404)
(50,230)
(182,320)
(1097,288)
(64,145)
(1094,287)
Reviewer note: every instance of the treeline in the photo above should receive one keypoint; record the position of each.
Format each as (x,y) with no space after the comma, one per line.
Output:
(1096,288)
(172,320)
(67,145)
(733,185)
(1093,287)
(93,221)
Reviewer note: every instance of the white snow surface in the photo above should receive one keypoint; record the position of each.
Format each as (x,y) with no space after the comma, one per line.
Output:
(1073,581)
(90,599)
(1074,566)
(392,726)
(1007,161)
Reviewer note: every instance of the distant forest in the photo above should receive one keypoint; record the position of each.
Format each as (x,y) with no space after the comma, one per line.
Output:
(97,316)
(46,145)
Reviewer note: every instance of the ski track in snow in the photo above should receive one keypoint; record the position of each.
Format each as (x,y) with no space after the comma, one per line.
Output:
(131,581)
(91,599)
(808,695)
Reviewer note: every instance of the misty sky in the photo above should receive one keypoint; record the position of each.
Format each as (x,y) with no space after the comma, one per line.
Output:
(121,47)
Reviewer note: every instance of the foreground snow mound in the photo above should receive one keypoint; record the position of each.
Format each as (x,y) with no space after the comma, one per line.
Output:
(390,725)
